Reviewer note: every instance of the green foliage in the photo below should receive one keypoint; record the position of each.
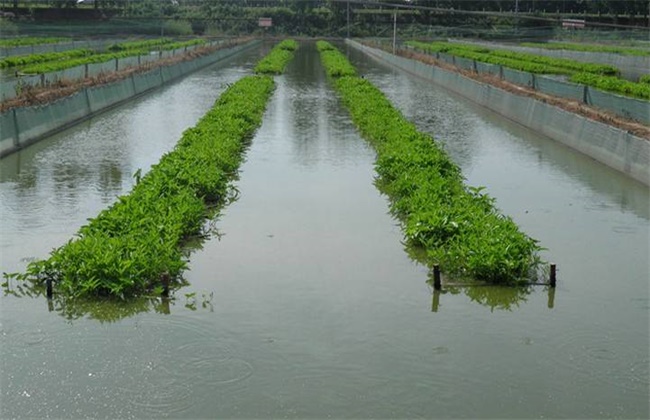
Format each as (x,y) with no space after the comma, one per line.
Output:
(336,65)
(531,63)
(25,41)
(51,66)
(458,226)
(588,48)
(614,84)
(127,248)
(119,52)
(29,59)
(139,45)
(645,79)
(288,44)
(277,59)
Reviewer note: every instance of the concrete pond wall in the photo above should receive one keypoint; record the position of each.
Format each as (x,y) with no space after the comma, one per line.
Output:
(20,127)
(611,146)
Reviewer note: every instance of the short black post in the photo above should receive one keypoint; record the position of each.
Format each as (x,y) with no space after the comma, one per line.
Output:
(436,277)
(165,283)
(552,280)
(48,284)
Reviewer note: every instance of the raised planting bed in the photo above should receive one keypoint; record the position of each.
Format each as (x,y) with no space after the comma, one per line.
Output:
(277,59)
(458,227)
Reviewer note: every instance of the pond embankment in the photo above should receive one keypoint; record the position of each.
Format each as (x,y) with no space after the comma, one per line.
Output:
(615,147)
(22,126)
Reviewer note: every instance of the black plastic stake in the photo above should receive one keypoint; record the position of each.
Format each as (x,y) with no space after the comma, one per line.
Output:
(552,281)
(48,284)
(436,277)
(165,283)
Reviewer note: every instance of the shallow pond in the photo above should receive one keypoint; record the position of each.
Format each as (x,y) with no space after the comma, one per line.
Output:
(304,303)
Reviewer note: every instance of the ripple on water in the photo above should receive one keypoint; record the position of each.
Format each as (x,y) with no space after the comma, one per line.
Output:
(601,358)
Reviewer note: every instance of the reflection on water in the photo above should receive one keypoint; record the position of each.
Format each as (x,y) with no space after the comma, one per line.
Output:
(109,309)
(494,297)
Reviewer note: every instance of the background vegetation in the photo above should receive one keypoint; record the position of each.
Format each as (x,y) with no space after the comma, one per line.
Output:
(329,17)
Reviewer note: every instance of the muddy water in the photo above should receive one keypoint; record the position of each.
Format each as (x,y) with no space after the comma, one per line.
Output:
(305,303)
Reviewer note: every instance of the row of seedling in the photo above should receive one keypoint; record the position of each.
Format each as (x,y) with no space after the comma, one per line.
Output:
(456,226)
(58,65)
(136,245)
(600,76)
(46,62)
(28,41)
(571,46)
(277,59)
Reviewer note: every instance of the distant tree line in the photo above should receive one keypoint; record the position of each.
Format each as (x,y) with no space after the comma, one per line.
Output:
(354,17)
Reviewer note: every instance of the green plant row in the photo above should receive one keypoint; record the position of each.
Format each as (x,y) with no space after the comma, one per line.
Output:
(609,83)
(51,66)
(614,84)
(335,64)
(25,41)
(129,247)
(645,79)
(277,59)
(587,48)
(154,44)
(139,45)
(457,226)
(29,59)
(516,60)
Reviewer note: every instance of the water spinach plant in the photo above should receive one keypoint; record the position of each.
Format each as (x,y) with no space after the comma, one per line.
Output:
(29,59)
(73,61)
(136,243)
(599,76)
(26,41)
(457,226)
(276,60)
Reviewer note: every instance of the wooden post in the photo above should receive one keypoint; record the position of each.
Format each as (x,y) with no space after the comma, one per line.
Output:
(436,277)
(552,280)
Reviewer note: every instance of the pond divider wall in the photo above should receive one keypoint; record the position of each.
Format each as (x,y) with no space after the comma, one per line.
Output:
(631,66)
(20,127)
(624,106)
(11,86)
(611,146)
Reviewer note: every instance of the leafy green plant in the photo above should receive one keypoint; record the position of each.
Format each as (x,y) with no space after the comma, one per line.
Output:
(516,60)
(336,65)
(58,65)
(587,48)
(459,227)
(614,84)
(277,59)
(29,59)
(26,41)
(645,79)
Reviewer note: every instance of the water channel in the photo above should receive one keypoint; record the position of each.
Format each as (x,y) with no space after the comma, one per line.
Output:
(304,303)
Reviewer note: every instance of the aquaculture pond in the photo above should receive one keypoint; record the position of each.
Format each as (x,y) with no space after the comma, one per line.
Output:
(303,302)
